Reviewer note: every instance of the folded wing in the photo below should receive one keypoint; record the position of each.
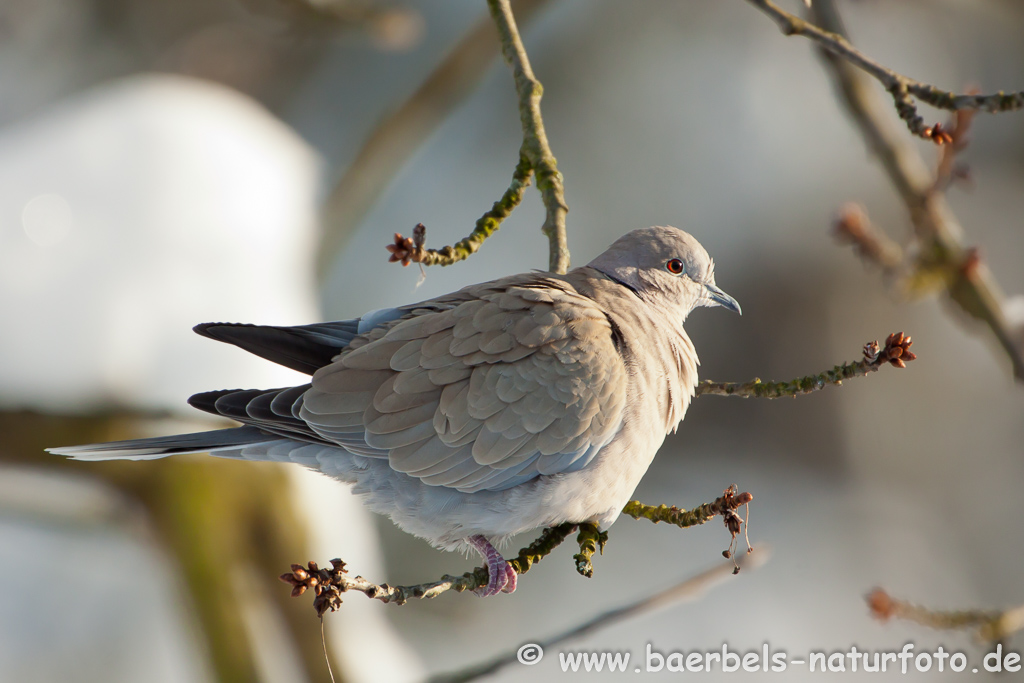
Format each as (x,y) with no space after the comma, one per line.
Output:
(482,393)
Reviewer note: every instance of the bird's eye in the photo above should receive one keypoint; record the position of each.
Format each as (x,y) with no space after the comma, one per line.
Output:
(675,266)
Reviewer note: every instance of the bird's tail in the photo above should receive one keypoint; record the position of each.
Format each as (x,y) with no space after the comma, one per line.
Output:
(163,446)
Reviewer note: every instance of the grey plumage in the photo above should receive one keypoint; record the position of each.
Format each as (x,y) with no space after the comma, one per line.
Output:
(512,404)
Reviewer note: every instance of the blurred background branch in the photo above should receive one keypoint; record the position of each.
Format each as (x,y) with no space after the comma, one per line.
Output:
(991,626)
(831,39)
(686,590)
(227,528)
(941,259)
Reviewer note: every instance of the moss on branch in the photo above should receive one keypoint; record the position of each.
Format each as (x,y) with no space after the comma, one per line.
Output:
(896,352)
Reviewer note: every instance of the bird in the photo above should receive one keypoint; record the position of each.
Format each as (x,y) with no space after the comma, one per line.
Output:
(520,403)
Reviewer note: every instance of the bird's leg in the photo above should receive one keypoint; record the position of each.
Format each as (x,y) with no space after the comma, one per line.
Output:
(501,577)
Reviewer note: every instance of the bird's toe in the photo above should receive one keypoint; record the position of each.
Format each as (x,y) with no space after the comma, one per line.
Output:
(511,579)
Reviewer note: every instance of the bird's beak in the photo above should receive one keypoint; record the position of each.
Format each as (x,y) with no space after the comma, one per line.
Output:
(722,299)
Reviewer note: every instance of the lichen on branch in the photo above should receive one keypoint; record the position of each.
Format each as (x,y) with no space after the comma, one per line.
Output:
(896,352)
(413,250)
(535,158)
(724,506)
(535,140)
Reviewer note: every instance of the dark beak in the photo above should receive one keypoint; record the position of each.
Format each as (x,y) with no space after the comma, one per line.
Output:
(723,299)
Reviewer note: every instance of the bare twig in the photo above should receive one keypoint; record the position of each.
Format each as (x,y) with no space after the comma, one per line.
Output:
(535,141)
(412,250)
(398,136)
(967,280)
(852,226)
(901,88)
(684,591)
(896,352)
(725,505)
(948,169)
(534,157)
(991,626)
(329,584)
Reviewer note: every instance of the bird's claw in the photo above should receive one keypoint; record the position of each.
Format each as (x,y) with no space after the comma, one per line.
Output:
(501,577)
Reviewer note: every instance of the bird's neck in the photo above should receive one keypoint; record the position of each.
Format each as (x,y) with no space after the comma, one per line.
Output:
(659,354)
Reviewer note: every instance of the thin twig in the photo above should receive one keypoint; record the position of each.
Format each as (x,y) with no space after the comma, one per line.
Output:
(968,281)
(991,625)
(725,505)
(412,250)
(948,169)
(535,141)
(684,591)
(896,352)
(900,87)
(400,134)
(852,226)
(329,583)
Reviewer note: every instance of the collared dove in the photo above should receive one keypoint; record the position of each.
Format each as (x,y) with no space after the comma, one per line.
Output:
(524,402)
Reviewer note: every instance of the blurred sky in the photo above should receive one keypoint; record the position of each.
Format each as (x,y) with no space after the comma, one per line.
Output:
(701,115)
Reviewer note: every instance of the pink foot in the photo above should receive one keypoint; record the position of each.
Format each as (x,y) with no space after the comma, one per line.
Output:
(501,577)
(512,579)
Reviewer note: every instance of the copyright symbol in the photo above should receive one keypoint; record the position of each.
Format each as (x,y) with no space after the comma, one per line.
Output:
(530,654)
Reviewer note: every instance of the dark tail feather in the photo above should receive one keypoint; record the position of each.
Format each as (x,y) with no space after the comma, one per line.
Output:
(163,446)
(305,348)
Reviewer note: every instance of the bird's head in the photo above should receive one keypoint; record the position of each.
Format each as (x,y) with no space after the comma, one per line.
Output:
(666,267)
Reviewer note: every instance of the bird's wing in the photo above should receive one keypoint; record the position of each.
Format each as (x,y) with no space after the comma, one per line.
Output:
(482,391)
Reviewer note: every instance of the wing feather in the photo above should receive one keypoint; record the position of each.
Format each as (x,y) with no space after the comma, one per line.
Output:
(482,390)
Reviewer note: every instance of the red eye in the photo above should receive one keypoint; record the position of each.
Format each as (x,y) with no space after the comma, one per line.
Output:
(675,266)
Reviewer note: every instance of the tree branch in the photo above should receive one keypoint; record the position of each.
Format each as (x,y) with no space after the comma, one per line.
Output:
(535,141)
(411,249)
(992,626)
(591,540)
(723,505)
(901,88)
(896,352)
(329,583)
(967,280)
(684,591)
(852,226)
(391,144)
